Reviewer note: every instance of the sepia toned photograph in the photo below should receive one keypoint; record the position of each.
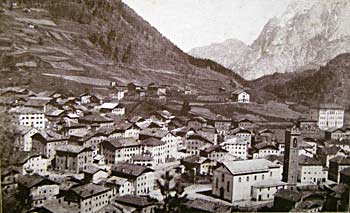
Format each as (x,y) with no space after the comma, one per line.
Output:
(174,106)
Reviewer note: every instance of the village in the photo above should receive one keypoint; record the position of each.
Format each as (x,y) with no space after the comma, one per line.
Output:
(128,151)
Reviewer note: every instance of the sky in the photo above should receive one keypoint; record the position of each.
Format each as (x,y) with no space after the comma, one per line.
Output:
(194,23)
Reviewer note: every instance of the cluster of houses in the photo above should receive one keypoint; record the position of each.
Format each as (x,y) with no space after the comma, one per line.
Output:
(86,154)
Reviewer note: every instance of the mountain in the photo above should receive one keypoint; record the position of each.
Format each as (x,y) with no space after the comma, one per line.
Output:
(328,84)
(307,35)
(79,44)
(224,53)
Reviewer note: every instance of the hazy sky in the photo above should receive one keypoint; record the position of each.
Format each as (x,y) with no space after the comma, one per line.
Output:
(193,23)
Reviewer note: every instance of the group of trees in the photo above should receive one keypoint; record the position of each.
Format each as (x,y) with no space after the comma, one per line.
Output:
(173,194)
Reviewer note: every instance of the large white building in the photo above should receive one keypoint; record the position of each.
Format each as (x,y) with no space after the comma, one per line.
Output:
(235,147)
(311,171)
(328,116)
(234,180)
(27,116)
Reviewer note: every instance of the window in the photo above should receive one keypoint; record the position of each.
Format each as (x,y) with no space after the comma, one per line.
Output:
(262,177)
(247,178)
(223,177)
(255,177)
(228,186)
(239,179)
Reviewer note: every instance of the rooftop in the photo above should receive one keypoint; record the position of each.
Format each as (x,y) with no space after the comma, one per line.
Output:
(89,190)
(152,142)
(207,206)
(76,149)
(341,160)
(129,170)
(30,181)
(249,166)
(135,200)
(109,105)
(156,133)
(330,106)
(122,142)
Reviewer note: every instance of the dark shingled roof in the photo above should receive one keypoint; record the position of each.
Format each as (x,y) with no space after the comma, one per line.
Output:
(135,201)
(346,171)
(152,142)
(129,170)
(207,206)
(30,181)
(89,190)
(305,160)
(341,160)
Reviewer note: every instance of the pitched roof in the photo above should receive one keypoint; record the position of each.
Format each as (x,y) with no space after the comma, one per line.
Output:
(122,142)
(214,148)
(194,159)
(307,161)
(95,118)
(136,201)
(330,106)
(75,149)
(249,166)
(152,142)
(30,181)
(341,160)
(238,91)
(129,170)
(23,129)
(26,110)
(207,206)
(156,133)
(109,105)
(89,190)
(50,135)
(117,180)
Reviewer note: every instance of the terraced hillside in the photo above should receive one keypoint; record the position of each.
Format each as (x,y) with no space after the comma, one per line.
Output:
(63,44)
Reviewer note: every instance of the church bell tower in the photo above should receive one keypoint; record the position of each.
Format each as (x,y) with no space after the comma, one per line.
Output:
(291,163)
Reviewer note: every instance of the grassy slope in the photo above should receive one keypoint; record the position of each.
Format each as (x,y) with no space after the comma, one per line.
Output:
(98,39)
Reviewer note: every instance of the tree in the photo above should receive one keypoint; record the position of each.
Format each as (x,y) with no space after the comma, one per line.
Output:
(7,138)
(173,193)
(185,107)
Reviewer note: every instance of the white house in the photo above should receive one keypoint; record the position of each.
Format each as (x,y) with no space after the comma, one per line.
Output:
(234,180)
(240,96)
(265,190)
(24,137)
(157,149)
(119,150)
(89,197)
(114,108)
(122,185)
(36,164)
(141,177)
(312,171)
